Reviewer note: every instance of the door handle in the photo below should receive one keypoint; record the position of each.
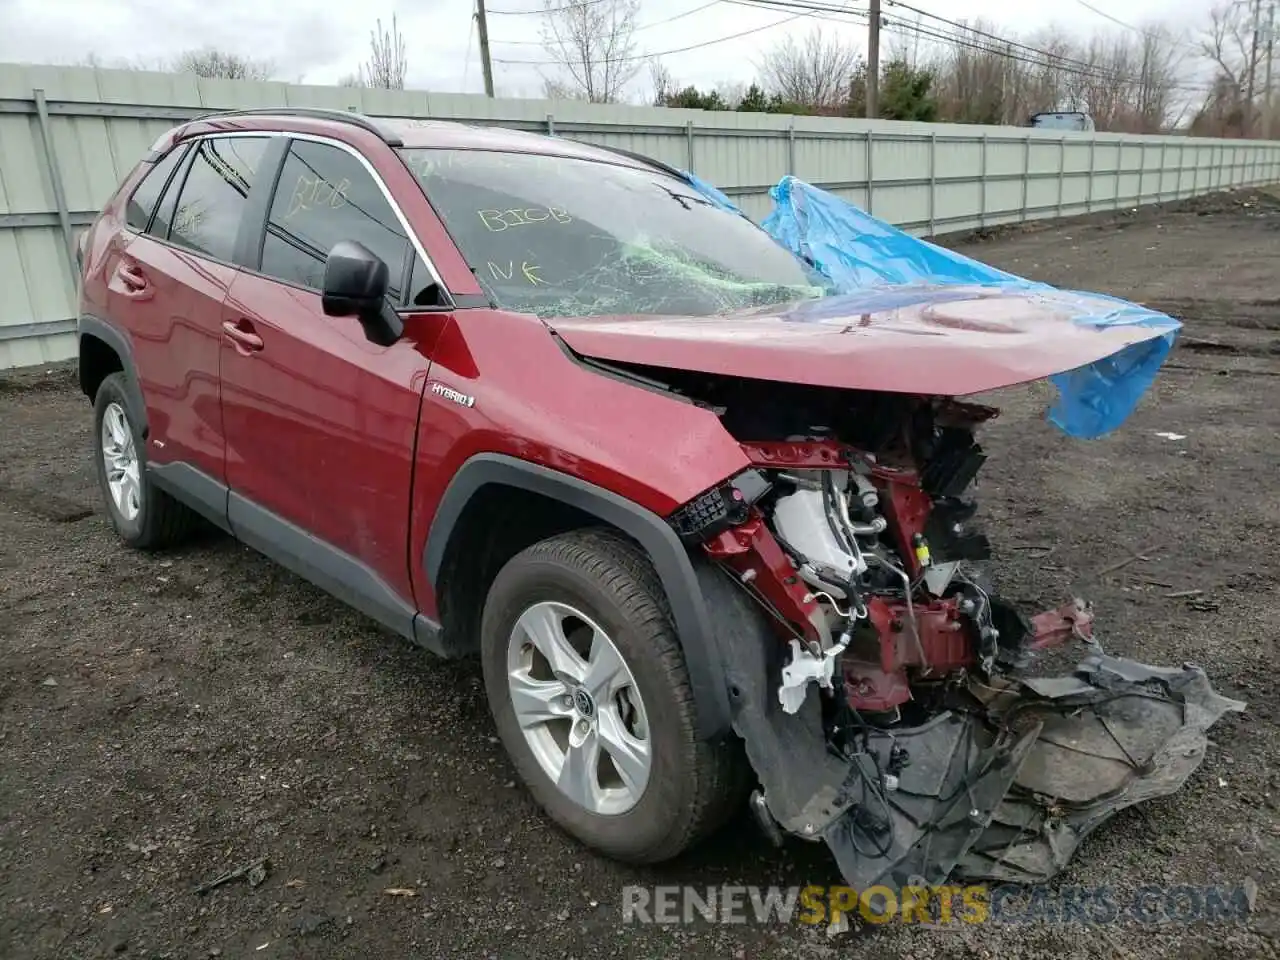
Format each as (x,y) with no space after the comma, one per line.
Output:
(135,283)
(245,340)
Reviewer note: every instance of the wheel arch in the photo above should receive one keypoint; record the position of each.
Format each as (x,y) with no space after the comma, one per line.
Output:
(594,504)
(104,350)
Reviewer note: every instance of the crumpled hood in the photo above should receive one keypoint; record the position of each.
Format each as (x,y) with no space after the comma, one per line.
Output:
(937,339)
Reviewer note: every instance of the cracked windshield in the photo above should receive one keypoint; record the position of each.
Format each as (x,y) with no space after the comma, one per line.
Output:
(577,238)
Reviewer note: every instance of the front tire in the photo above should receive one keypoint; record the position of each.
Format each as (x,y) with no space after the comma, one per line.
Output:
(143,516)
(592,701)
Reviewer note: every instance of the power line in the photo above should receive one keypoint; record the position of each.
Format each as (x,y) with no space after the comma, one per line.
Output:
(528,13)
(1107,16)
(965,36)
(1145,34)
(962,35)
(643,26)
(820,7)
(1004,41)
(665,53)
(1069,65)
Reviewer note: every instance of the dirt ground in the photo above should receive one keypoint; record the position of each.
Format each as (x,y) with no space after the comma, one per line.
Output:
(166,718)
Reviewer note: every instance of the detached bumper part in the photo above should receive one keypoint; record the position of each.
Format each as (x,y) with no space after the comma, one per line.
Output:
(1001,786)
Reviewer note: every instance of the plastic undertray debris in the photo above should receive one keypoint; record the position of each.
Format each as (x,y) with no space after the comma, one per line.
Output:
(1004,785)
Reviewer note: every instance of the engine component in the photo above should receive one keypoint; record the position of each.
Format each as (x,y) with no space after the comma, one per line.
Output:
(809,522)
(920,547)
(866,497)
(719,509)
(922,757)
(939,576)
(907,509)
(955,460)
(760,566)
(875,669)
(805,668)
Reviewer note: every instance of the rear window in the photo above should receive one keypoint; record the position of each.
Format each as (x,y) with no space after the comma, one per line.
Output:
(143,202)
(566,237)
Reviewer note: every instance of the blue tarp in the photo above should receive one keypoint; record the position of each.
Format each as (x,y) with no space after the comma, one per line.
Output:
(711,193)
(856,252)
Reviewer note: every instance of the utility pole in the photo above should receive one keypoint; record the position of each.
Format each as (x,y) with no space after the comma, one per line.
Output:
(1271,49)
(1253,66)
(482,30)
(873,62)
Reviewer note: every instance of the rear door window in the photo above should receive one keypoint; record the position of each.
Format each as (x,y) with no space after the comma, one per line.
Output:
(143,201)
(214,194)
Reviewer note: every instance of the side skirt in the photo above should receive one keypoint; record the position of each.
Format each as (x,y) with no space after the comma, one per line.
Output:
(336,572)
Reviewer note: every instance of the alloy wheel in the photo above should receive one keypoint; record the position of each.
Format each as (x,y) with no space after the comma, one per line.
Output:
(579,708)
(121,460)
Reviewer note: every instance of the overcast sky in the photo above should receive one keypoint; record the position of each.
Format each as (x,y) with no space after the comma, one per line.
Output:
(321,42)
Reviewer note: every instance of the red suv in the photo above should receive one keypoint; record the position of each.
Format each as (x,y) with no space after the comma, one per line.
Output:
(563,407)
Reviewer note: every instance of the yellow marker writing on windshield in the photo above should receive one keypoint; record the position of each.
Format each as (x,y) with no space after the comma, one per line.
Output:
(497,221)
(527,269)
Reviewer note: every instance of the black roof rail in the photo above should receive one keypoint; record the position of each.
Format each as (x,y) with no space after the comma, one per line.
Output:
(312,113)
(632,155)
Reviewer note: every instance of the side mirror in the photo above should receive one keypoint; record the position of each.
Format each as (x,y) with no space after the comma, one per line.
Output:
(355,285)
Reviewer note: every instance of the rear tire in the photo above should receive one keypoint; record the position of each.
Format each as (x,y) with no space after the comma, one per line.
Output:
(668,789)
(144,516)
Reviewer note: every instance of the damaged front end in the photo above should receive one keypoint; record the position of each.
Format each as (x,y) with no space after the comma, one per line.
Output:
(890,715)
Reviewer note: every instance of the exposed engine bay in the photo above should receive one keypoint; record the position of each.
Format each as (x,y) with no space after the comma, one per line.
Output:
(892,717)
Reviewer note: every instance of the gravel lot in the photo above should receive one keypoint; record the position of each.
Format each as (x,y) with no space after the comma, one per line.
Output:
(166,718)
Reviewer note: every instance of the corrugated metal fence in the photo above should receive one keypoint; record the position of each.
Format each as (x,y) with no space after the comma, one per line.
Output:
(68,135)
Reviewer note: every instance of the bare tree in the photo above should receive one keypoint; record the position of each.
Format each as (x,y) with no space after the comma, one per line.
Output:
(209,62)
(1131,81)
(664,85)
(1227,44)
(975,79)
(555,89)
(385,69)
(592,42)
(1163,62)
(905,46)
(814,73)
(98,62)
(1128,81)
(731,93)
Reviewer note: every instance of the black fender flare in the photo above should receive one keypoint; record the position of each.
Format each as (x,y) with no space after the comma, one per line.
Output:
(669,556)
(93,326)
